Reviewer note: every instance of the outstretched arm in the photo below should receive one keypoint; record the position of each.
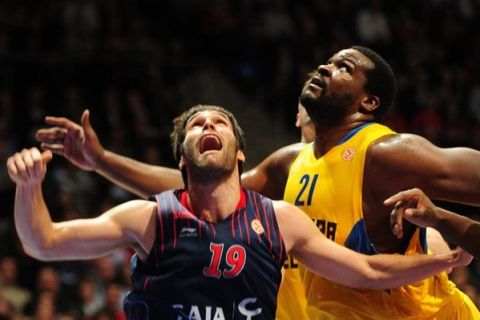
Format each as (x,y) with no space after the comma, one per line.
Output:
(347,267)
(129,224)
(408,161)
(81,146)
(417,208)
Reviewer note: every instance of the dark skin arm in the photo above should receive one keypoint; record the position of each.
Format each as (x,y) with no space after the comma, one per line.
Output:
(80,144)
(416,207)
(270,176)
(450,174)
(404,161)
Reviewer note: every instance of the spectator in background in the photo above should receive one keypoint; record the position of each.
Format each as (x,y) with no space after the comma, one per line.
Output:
(13,292)
(372,24)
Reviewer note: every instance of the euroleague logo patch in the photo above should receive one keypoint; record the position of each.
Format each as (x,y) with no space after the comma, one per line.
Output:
(257,226)
(349,153)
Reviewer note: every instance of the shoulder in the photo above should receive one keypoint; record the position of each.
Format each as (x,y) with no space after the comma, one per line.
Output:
(131,211)
(287,154)
(283,208)
(137,205)
(393,146)
(404,160)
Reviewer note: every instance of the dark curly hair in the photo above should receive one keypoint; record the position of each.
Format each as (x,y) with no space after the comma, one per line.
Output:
(380,80)
(177,136)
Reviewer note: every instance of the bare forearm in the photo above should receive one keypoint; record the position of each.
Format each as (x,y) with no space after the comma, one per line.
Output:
(462,231)
(32,219)
(396,270)
(140,178)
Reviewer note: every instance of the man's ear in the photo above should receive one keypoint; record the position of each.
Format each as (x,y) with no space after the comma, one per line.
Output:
(181,163)
(370,103)
(241,155)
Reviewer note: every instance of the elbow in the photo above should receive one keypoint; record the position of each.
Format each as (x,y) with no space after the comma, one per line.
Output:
(34,253)
(41,252)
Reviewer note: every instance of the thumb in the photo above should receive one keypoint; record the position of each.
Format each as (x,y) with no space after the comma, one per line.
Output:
(47,156)
(86,121)
(417,217)
(411,213)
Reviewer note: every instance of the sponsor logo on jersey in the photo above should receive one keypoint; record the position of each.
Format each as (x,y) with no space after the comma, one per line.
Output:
(188,232)
(245,307)
(349,153)
(257,226)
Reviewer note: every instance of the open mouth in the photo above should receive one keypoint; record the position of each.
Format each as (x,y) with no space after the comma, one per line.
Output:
(210,142)
(317,82)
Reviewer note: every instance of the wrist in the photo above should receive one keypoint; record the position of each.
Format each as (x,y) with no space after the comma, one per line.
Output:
(439,220)
(100,161)
(29,187)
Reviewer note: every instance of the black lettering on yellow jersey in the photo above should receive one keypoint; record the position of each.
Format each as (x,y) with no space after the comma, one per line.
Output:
(328,228)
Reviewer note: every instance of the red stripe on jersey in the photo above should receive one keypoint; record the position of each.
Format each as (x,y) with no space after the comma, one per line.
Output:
(213,228)
(268,225)
(246,226)
(162,239)
(232,224)
(172,205)
(239,213)
(145,283)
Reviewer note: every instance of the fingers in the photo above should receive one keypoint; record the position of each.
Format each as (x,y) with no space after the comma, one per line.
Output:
(28,166)
(61,122)
(396,219)
(406,195)
(60,140)
(53,135)
(463,257)
(57,149)
(46,156)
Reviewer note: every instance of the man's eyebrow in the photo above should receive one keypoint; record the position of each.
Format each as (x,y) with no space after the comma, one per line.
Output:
(347,57)
(351,58)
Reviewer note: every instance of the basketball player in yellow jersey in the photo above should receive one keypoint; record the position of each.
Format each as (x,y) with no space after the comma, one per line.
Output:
(337,179)
(291,299)
(341,179)
(354,88)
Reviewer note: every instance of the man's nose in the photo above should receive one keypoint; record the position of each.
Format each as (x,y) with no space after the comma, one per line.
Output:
(324,70)
(208,124)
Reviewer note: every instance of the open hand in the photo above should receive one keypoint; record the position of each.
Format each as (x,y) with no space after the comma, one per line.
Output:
(77,143)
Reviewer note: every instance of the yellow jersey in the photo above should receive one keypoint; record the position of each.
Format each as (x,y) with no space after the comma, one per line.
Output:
(329,190)
(291,299)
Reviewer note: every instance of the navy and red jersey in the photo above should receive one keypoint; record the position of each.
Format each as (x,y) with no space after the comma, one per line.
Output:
(201,270)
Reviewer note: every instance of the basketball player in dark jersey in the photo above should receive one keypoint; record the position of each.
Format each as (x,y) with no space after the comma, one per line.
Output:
(213,250)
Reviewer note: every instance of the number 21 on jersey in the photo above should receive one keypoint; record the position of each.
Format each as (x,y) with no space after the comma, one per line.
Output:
(308,188)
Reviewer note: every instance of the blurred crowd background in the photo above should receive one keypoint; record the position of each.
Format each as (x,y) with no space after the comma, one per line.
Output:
(137,64)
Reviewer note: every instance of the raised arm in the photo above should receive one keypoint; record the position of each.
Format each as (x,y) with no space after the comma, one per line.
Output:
(417,208)
(337,263)
(80,145)
(407,161)
(128,225)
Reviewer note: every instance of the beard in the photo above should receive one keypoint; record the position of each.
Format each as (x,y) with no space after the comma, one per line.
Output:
(204,171)
(327,110)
